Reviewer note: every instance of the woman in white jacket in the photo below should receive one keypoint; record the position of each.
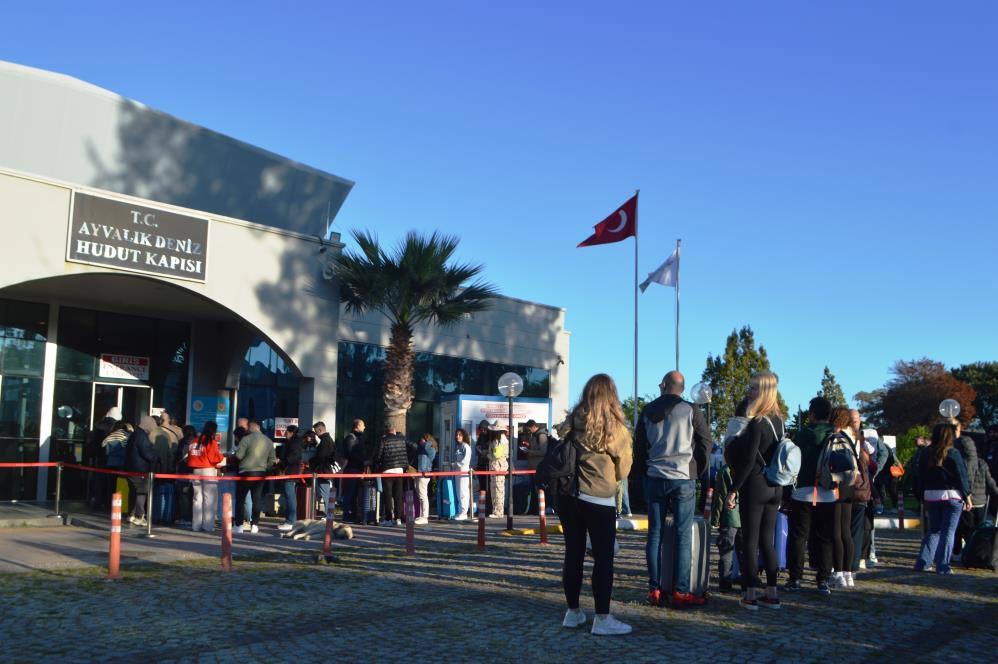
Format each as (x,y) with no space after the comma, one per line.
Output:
(462,463)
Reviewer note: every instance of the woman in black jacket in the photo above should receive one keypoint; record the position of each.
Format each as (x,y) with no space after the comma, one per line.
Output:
(757,501)
(140,457)
(945,494)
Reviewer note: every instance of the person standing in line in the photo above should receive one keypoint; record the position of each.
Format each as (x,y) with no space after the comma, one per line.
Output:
(185,492)
(291,464)
(482,437)
(166,423)
(843,546)
(354,455)
(537,448)
(498,445)
(114,452)
(603,447)
(673,442)
(812,509)
(758,502)
(729,529)
(425,454)
(256,458)
(945,494)
(165,444)
(392,459)
(861,496)
(204,459)
(94,455)
(140,457)
(462,464)
(324,461)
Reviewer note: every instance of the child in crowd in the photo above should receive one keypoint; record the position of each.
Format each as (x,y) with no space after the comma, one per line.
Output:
(728,522)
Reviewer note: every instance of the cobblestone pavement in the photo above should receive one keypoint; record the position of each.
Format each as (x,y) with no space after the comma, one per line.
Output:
(450,601)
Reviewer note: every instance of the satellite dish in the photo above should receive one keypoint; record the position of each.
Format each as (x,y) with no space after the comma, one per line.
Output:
(510,385)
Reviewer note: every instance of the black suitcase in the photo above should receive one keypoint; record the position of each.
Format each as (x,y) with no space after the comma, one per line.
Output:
(981,550)
(306,503)
(369,503)
(699,559)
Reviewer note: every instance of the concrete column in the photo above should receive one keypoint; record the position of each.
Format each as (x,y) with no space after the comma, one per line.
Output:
(48,400)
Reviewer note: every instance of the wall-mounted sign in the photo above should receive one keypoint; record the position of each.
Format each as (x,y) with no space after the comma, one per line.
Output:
(141,239)
(281,425)
(124,367)
(210,408)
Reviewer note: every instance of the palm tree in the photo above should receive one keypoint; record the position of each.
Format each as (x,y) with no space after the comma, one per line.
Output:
(411,284)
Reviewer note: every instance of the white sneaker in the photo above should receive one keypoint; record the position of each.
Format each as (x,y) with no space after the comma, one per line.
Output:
(609,626)
(574,618)
(862,564)
(421,521)
(398,522)
(132,520)
(849,582)
(461,517)
(238,530)
(871,562)
(254,529)
(285,527)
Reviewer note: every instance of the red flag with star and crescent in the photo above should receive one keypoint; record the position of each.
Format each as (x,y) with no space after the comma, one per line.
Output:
(622,224)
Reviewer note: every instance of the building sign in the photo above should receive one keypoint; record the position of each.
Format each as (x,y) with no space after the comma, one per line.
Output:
(281,425)
(124,367)
(141,239)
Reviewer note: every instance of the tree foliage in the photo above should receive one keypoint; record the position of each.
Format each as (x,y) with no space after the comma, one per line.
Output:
(729,375)
(912,396)
(907,443)
(831,390)
(983,377)
(414,283)
(628,406)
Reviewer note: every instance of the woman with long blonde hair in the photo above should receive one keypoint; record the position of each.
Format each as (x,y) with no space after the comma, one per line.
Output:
(603,447)
(758,501)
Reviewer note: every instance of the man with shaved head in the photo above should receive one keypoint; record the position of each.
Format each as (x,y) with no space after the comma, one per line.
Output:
(673,439)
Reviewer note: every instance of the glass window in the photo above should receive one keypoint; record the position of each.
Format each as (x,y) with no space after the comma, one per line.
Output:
(22,337)
(268,388)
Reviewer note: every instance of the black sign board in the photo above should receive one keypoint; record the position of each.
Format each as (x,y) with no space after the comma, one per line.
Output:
(132,237)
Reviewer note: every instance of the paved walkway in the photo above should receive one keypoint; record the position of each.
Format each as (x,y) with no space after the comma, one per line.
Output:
(452,602)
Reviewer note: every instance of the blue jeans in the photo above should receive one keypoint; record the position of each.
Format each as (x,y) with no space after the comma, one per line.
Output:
(937,544)
(678,497)
(323,486)
(291,500)
(163,501)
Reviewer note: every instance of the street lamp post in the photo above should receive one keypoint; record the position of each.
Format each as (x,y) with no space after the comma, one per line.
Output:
(949,408)
(510,386)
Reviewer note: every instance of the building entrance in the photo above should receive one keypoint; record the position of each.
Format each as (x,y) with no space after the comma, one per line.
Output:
(134,401)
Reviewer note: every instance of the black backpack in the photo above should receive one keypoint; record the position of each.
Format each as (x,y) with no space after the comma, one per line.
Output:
(557,471)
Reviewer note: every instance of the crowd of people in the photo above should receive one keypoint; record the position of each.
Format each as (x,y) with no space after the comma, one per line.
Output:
(825,506)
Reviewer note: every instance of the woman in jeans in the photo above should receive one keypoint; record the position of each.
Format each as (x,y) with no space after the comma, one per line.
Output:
(945,494)
(599,430)
(756,500)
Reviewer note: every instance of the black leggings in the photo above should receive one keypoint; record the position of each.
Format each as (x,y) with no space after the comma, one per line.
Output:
(842,543)
(758,505)
(578,518)
(392,497)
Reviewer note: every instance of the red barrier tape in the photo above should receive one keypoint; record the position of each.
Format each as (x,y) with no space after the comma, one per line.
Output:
(48,464)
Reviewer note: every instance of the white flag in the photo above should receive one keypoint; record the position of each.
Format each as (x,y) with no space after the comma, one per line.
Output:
(667,273)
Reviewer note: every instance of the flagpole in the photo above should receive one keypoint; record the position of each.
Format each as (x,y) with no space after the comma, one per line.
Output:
(634,416)
(678,243)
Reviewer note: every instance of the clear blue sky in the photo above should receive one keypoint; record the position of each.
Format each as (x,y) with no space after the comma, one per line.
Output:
(832,171)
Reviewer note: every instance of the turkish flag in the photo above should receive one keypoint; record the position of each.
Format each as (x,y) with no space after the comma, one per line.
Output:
(623,223)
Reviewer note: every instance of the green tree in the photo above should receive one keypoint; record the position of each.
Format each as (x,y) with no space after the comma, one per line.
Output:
(628,406)
(907,443)
(912,396)
(831,390)
(871,407)
(729,375)
(983,377)
(414,283)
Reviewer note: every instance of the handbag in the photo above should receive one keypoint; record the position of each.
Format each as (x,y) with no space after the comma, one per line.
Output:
(897,471)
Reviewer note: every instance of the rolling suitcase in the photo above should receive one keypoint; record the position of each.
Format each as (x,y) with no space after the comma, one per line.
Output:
(699,558)
(981,549)
(780,536)
(306,503)
(370,503)
(446,498)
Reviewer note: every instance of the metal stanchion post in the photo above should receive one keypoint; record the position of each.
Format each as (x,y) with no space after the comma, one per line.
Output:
(227,532)
(481,520)
(410,526)
(542,516)
(901,509)
(58,487)
(114,551)
(310,509)
(471,483)
(149,497)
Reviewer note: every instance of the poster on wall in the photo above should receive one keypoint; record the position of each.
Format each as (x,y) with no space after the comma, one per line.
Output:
(281,425)
(210,408)
(470,410)
(133,237)
(123,367)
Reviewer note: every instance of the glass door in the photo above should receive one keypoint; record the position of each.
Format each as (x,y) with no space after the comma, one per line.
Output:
(134,401)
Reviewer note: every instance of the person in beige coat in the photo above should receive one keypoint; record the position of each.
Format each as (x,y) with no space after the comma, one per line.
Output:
(603,448)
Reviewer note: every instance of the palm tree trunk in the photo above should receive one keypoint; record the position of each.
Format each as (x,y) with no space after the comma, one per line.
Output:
(398,377)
